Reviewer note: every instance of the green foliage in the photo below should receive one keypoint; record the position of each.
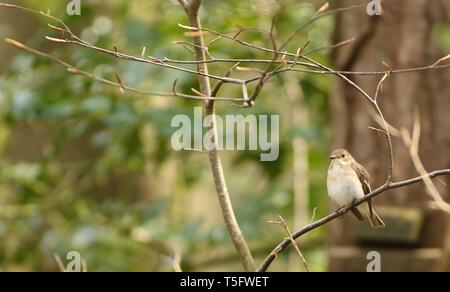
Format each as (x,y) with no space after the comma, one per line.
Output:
(76,153)
(442,36)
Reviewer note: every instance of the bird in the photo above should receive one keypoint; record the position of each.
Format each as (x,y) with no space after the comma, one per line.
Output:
(347,181)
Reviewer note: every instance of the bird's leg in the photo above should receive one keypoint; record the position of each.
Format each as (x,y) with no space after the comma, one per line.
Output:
(340,212)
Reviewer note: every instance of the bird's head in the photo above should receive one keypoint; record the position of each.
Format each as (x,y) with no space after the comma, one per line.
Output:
(341,156)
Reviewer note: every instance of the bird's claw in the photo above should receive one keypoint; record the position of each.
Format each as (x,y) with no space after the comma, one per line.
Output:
(340,212)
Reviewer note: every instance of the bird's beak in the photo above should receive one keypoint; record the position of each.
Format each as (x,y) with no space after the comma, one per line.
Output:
(332,157)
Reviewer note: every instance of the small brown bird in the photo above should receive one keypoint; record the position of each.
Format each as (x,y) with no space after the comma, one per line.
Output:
(348,181)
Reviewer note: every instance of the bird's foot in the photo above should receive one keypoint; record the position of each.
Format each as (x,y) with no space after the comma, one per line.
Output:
(340,212)
(354,203)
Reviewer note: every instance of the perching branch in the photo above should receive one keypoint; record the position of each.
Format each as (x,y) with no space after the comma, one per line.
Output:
(336,214)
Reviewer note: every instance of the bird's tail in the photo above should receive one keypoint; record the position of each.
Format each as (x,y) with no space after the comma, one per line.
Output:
(375,220)
(373,216)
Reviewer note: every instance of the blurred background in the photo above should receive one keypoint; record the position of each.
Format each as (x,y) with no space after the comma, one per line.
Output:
(86,168)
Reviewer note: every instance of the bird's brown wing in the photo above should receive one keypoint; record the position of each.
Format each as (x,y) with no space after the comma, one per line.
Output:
(363,176)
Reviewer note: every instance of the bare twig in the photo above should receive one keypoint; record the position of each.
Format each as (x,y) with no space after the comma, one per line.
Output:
(219,83)
(342,72)
(74,70)
(195,150)
(175,262)
(313,217)
(334,46)
(151,61)
(386,128)
(73,39)
(412,142)
(374,103)
(283,223)
(305,64)
(84,266)
(59,262)
(263,78)
(165,62)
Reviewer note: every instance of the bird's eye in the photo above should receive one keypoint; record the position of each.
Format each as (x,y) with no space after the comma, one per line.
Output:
(343,155)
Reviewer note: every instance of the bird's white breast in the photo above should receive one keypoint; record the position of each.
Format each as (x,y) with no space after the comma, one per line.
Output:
(343,184)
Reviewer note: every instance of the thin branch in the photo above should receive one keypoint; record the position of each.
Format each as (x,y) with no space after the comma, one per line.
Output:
(314,18)
(305,64)
(74,70)
(174,262)
(392,130)
(313,217)
(333,46)
(116,53)
(380,85)
(219,83)
(338,213)
(183,3)
(441,60)
(84,266)
(205,48)
(152,61)
(59,262)
(283,223)
(374,103)
(165,62)
(342,72)
(263,78)
(413,145)
(195,150)
(386,128)
(436,65)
